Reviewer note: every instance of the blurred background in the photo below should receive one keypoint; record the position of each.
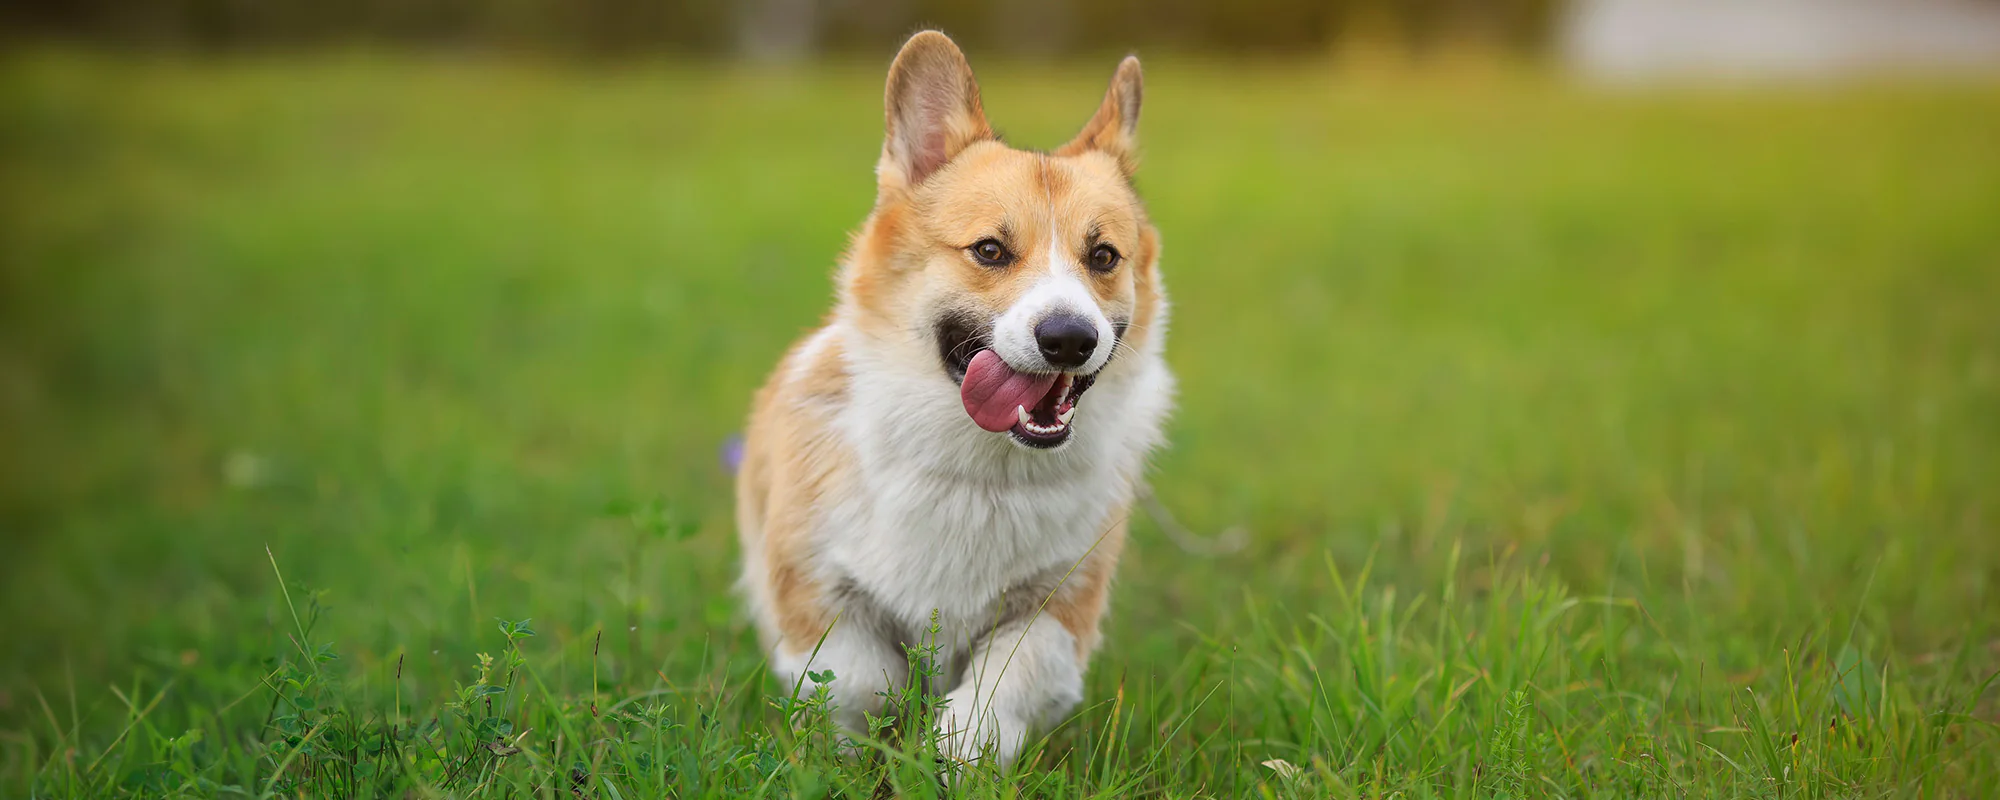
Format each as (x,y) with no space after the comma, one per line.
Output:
(1624,37)
(793,29)
(1687,300)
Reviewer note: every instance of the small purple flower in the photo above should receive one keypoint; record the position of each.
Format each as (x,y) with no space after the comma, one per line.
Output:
(732,453)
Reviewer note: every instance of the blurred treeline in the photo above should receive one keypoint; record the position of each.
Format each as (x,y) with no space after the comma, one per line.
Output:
(787,28)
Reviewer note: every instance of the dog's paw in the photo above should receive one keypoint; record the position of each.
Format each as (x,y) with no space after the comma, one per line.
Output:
(968,731)
(964,735)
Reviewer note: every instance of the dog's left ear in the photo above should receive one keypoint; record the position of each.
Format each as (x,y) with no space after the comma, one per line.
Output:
(1114,129)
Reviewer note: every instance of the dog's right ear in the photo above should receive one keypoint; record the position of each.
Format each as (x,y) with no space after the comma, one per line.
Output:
(933,110)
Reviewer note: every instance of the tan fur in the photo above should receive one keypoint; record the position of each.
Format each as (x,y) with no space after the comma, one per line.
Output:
(788,465)
(1079,604)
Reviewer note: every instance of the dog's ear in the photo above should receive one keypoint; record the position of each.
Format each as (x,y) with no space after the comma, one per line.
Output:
(933,110)
(1114,129)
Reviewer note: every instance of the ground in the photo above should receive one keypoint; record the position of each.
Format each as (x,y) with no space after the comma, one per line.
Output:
(1588,442)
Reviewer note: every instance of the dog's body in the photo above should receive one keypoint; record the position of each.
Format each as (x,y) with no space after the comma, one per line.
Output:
(928,449)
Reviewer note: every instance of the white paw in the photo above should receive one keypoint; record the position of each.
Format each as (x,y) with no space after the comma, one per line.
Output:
(969,731)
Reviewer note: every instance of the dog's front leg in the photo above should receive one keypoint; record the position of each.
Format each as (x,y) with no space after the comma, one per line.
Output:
(865,669)
(1021,677)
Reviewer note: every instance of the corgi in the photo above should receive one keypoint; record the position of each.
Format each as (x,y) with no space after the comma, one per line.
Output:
(960,442)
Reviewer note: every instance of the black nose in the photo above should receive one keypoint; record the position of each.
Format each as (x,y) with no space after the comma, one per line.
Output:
(1067,340)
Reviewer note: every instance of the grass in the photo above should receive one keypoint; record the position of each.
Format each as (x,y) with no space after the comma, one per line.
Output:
(1589,444)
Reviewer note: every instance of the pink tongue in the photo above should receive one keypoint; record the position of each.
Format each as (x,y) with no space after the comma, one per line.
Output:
(992,390)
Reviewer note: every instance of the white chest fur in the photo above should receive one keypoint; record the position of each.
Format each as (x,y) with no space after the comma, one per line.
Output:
(943,516)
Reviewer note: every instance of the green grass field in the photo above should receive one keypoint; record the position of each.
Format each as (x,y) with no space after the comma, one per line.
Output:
(1589,444)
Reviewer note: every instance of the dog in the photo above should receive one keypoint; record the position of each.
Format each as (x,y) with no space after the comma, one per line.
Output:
(960,442)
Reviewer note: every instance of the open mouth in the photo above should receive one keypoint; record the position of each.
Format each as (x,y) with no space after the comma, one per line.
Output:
(1034,407)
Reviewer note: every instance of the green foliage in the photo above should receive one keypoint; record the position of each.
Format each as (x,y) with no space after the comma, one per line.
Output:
(1589,445)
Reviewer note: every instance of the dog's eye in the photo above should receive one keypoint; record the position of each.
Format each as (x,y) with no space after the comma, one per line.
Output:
(991,253)
(1103,258)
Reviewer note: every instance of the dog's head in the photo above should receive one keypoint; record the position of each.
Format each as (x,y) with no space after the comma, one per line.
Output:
(1025,273)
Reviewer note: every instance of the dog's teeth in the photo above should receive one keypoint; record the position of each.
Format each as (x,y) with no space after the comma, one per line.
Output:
(1023,412)
(1064,417)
